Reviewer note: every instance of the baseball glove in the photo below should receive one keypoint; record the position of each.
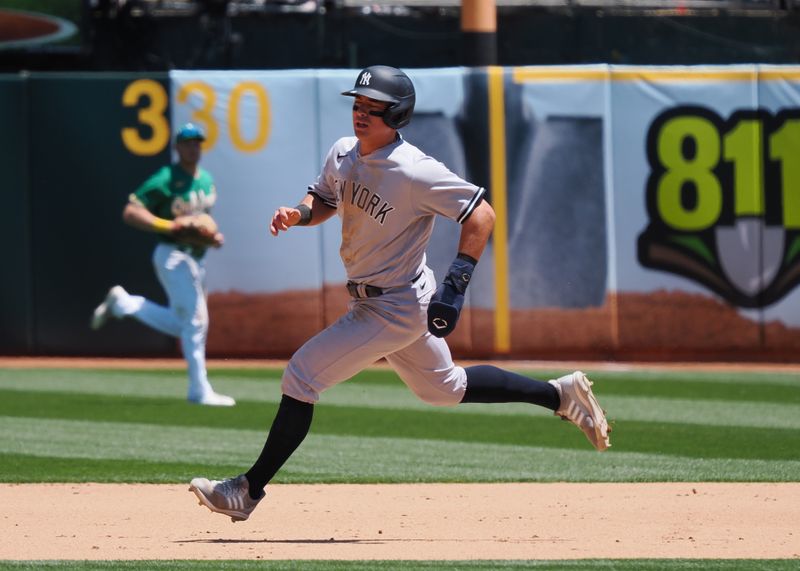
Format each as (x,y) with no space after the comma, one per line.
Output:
(197,230)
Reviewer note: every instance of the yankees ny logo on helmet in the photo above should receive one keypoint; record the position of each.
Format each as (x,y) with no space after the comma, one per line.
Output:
(390,85)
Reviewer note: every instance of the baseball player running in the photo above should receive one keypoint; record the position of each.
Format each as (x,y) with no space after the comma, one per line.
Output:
(174,191)
(387,194)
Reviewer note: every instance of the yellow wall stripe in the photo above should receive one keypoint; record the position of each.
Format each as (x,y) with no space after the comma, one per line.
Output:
(525,75)
(666,75)
(497,154)
(781,75)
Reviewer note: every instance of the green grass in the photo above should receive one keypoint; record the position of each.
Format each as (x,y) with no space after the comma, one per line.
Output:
(121,425)
(116,425)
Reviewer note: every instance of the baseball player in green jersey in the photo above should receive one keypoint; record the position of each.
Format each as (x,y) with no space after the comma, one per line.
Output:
(176,190)
(387,194)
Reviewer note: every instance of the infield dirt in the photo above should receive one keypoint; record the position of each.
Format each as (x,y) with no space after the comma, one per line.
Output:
(406,521)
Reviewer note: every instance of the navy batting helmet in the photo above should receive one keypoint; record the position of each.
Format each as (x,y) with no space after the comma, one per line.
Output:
(389,84)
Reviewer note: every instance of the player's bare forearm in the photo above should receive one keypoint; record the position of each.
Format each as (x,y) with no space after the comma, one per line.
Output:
(139,217)
(476,230)
(285,217)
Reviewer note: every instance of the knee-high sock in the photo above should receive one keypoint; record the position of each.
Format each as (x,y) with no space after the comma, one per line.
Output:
(486,383)
(288,430)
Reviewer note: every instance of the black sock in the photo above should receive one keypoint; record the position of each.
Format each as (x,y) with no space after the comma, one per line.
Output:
(288,430)
(486,383)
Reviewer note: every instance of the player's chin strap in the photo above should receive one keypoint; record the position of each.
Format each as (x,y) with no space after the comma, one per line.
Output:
(446,303)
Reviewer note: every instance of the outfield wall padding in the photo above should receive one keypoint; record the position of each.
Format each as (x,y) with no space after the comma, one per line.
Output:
(643,213)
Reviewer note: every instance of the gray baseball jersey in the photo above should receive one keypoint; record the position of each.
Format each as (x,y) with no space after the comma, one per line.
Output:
(387,202)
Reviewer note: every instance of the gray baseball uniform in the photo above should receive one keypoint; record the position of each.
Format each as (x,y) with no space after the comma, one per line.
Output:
(387,202)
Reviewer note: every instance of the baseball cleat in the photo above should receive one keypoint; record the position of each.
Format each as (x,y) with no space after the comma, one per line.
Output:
(229,497)
(580,407)
(103,311)
(213,399)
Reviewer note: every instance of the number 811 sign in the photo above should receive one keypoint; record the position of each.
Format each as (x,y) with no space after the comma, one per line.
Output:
(723,200)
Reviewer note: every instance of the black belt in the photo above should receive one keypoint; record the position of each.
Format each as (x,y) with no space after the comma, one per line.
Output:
(358,290)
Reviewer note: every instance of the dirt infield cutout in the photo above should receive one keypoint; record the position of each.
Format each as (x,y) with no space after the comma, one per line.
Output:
(406,521)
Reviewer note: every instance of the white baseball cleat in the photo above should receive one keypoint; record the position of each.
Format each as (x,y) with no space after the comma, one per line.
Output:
(104,311)
(229,497)
(580,407)
(212,399)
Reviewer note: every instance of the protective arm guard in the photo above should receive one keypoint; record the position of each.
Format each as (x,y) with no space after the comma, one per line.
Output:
(446,303)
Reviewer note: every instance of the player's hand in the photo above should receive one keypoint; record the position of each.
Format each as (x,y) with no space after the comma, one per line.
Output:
(219,240)
(283,219)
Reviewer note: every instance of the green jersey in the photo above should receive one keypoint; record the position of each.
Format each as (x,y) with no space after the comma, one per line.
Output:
(173,192)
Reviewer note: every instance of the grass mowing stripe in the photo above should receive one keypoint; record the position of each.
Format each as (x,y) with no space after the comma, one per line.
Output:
(742,392)
(326,458)
(21,468)
(749,387)
(703,412)
(128,441)
(707,412)
(397,396)
(635,436)
(67,373)
(488,565)
(142,383)
(731,377)
(630,436)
